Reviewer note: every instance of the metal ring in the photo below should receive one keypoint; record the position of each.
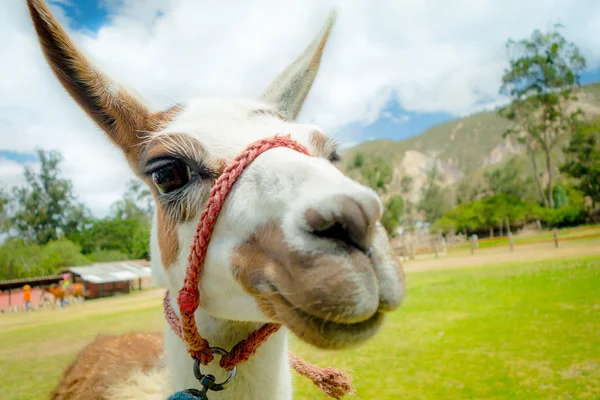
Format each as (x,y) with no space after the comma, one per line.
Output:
(217,386)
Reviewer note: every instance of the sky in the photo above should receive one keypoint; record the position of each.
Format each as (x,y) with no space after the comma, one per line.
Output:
(391,69)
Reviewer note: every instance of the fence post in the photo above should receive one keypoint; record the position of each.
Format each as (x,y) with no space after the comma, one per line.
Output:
(510,240)
(472,244)
(555,232)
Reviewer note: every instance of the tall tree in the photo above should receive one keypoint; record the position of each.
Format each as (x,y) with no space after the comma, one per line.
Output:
(393,210)
(583,160)
(469,190)
(378,174)
(45,208)
(406,184)
(125,232)
(4,202)
(541,81)
(137,203)
(374,172)
(509,180)
(433,198)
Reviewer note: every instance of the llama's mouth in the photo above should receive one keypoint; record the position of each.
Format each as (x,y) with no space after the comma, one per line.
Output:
(330,300)
(321,332)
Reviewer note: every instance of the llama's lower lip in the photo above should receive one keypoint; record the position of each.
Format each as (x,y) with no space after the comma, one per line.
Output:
(324,333)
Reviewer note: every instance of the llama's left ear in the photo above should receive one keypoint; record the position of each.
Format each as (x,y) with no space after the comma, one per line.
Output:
(289,90)
(124,119)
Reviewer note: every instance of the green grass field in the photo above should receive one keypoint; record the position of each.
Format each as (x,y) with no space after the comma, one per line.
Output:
(504,330)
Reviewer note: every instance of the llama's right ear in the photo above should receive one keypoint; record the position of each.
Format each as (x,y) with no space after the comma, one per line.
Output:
(124,119)
(289,90)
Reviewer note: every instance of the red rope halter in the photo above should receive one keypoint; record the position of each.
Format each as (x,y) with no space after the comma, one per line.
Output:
(331,381)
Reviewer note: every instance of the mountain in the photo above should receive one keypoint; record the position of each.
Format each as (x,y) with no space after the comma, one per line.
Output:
(459,148)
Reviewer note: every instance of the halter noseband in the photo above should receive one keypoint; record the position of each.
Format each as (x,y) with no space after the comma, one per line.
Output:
(334,383)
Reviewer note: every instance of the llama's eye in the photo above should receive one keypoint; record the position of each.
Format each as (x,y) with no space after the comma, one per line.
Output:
(171,177)
(334,157)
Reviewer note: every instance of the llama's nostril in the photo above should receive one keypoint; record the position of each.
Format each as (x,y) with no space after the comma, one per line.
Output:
(343,219)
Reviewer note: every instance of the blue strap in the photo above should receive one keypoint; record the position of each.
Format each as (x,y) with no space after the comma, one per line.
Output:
(185,395)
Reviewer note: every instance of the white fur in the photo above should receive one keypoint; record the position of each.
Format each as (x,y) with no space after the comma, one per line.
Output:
(139,385)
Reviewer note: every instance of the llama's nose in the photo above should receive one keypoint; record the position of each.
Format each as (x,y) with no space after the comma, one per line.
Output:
(345,219)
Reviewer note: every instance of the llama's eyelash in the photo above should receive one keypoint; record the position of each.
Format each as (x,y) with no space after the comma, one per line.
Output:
(156,163)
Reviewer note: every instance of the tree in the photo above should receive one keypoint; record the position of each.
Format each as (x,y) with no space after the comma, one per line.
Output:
(468,191)
(541,81)
(45,208)
(137,203)
(394,208)
(486,214)
(128,237)
(4,220)
(357,161)
(378,174)
(433,198)
(583,160)
(508,180)
(375,173)
(406,184)
(125,232)
(559,196)
(23,260)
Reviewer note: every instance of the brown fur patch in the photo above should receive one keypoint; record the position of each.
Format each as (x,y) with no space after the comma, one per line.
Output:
(106,361)
(167,237)
(125,120)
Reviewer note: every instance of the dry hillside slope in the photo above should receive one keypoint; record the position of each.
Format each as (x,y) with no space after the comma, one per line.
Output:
(459,148)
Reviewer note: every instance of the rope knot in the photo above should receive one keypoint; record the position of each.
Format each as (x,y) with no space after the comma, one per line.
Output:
(189,299)
(205,356)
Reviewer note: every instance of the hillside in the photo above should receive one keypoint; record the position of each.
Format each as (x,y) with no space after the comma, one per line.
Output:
(460,148)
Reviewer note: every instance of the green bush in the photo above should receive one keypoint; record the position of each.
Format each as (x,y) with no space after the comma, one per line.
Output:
(394,208)
(59,254)
(107,256)
(571,213)
(444,224)
(18,260)
(21,260)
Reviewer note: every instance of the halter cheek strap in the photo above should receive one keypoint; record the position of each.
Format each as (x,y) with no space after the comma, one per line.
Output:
(334,383)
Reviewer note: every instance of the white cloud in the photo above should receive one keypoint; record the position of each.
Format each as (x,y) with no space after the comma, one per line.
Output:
(396,119)
(431,56)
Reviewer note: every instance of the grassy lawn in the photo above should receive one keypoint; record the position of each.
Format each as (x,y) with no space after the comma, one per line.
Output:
(510,331)
(517,332)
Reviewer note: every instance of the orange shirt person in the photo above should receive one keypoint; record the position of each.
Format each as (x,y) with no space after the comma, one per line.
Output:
(27,297)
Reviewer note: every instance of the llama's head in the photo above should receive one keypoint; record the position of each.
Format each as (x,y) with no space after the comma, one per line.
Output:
(297,241)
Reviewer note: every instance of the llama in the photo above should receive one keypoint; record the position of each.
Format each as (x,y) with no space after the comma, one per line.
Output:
(297,242)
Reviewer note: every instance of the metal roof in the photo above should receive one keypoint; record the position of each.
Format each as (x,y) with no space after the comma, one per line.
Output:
(37,281)
(111,272)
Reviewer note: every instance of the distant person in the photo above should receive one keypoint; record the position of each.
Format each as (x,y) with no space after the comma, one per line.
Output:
(66,285)
(27,297)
